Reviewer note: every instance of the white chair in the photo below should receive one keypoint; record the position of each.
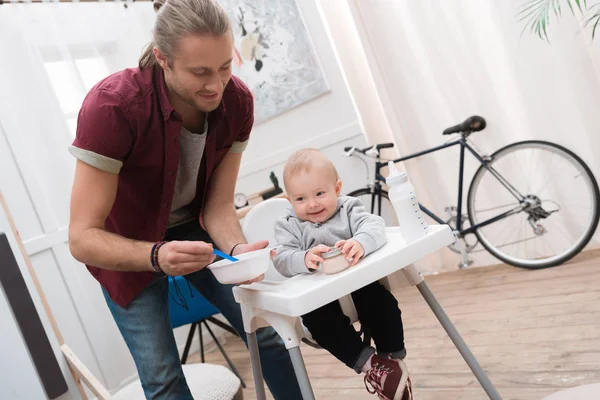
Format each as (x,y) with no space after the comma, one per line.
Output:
(279,302)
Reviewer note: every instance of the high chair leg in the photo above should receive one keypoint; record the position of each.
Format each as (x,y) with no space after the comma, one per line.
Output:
(301,374)
(256,367)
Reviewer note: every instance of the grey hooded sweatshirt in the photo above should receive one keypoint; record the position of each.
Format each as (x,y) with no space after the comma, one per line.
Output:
(350,221)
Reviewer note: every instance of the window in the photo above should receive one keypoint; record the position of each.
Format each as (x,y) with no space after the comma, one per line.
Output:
(72,79)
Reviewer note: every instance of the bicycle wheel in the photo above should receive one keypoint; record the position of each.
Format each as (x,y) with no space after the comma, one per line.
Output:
(554,201)
(387,210)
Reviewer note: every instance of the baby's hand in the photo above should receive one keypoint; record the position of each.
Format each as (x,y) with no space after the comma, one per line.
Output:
(313,256)
(352,249)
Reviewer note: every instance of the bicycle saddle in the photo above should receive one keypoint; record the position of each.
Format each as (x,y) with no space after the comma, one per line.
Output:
(471,124)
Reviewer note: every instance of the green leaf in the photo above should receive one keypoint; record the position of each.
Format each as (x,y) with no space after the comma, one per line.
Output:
(594,18)
(526,11)
(557,9)
(536,14)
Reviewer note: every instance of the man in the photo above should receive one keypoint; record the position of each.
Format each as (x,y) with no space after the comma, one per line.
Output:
(158,151)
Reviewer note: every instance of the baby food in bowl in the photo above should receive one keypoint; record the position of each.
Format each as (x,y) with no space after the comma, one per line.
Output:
(334,261)
(249,266)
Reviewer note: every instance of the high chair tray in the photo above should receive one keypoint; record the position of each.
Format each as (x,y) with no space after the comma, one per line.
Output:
(302,294)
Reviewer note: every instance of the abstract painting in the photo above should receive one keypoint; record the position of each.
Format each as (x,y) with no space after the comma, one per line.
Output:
(273,55)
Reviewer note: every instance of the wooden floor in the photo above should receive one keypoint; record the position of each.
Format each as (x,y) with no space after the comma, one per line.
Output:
(534,332)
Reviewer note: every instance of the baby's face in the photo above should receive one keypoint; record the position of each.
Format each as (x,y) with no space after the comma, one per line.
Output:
(313,195)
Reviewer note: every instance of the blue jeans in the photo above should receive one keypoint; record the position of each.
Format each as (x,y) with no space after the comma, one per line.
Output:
(146,328)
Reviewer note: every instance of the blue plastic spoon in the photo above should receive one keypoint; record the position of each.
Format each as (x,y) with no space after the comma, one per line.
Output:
(224,255)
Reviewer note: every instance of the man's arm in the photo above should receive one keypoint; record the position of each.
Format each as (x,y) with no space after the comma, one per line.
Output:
(92,198)
(219,215)
(93,195)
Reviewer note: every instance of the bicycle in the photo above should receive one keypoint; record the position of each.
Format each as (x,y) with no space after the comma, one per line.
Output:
(533,201)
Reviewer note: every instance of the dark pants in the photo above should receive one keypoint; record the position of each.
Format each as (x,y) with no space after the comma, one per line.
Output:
(377,311)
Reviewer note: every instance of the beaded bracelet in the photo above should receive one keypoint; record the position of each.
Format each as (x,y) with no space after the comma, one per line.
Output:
(154,257)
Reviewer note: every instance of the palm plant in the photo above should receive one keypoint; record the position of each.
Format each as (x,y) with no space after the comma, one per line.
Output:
(537,14)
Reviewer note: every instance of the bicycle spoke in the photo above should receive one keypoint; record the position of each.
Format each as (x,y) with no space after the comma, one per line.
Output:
(516,242)
(551,179)
(530,171)
(502,231)
(550,246)
(560,229)
(519,235)
(512,205)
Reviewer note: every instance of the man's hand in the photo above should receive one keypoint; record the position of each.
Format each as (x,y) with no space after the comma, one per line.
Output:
(246,248)
(352,250)
(184,257)
(313,256)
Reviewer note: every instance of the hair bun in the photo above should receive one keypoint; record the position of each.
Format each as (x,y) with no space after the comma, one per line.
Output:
(158,4)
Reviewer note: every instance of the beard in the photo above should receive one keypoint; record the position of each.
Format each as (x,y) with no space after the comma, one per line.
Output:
(194,101)
(197,103)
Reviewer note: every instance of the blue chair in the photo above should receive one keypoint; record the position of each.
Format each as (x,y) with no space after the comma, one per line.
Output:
(188,306)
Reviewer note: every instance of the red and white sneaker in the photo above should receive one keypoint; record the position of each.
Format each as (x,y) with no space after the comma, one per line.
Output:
(388,378)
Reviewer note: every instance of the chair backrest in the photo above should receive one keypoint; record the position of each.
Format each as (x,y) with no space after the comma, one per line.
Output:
(259,224)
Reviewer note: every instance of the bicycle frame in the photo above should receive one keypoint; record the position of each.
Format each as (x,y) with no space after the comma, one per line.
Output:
(485,162)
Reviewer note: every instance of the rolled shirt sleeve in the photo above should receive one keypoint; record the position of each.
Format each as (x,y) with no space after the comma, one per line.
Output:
(104,135)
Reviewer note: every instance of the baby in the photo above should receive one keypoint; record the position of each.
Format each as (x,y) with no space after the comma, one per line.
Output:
(319,220)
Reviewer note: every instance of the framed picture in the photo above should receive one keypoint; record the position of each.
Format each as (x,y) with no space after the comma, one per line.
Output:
(274,55)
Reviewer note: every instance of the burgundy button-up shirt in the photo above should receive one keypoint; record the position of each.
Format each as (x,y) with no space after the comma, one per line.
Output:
(128,117)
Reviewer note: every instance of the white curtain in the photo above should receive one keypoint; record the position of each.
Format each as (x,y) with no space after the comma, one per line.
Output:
(442,61)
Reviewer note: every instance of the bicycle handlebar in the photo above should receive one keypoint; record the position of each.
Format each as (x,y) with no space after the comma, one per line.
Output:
(377,146)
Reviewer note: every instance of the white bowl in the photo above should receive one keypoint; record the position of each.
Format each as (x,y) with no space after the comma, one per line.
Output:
(249,266)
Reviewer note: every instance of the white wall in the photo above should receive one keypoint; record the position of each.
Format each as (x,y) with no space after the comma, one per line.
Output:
(36,171)
(328,122)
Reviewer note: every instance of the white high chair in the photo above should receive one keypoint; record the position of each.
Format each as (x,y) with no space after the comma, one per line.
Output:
(279,302)
(259,225)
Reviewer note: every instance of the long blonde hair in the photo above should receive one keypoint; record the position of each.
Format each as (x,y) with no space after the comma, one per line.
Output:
(177,18)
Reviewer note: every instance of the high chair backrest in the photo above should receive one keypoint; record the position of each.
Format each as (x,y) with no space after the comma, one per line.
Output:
(259,224)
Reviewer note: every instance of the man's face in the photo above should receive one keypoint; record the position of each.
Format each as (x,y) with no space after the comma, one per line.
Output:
(199,70)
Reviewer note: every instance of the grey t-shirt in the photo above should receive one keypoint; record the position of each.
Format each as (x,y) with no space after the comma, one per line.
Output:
(190,146)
